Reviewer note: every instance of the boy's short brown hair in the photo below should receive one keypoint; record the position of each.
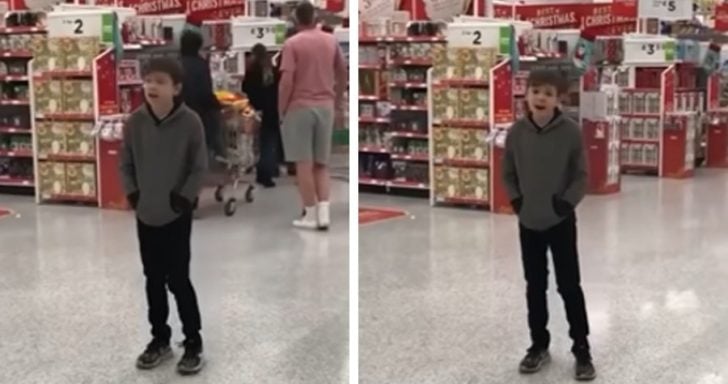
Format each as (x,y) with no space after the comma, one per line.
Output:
(167,66)
(550,77)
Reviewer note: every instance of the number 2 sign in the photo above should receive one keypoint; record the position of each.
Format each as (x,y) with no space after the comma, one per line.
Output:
(82,24)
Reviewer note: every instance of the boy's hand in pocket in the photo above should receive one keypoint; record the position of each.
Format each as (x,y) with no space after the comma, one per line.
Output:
(562,207)
(179,203)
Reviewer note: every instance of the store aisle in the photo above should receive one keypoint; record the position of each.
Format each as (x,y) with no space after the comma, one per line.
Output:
(274,300)
(443,297)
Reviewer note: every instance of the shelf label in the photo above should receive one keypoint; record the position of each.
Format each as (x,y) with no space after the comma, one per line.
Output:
(480,36)
(82,24)
(645,51)
(267,34)
(667,10)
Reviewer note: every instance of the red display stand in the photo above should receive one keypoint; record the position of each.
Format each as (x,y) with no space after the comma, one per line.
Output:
(717,131)
(675,132)
(502,116)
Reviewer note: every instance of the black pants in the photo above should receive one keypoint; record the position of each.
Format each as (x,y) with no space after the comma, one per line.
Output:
(166,258)
(270,137)
(561,240)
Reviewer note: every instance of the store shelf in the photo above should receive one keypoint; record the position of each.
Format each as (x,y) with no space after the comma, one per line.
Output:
(452,83)
(374,120)
(14,130)
(640,115)
(642,141)
(393,184)
(21,154)
(373,149)
(370,66)
(639,167)
(13,78)
(408,84)
(64,74)
(21,30)
(68,157)
(459,123)
(409,135)
(66,198)
(67,116)
(413,61)
(7,181)
(401,107)
(16,54)
(14,102)
(369,98)
(130,83)
(465,163)
(463,201)
(402,39)
(406,157)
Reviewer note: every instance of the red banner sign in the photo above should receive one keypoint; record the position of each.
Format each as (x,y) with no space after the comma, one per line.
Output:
(156,7)
(721,17)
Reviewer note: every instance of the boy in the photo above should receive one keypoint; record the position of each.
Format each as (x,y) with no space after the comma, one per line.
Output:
(544,171)
(163,161)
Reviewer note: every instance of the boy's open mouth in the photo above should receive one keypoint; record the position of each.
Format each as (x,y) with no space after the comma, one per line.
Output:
(539,107)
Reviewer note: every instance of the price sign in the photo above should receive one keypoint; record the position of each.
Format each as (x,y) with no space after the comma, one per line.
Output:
(82,24)
(472,35)
(646,51)
(669,10)
(249,34)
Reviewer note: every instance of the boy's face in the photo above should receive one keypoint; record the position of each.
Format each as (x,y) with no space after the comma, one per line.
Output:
(542,99)
(160,88)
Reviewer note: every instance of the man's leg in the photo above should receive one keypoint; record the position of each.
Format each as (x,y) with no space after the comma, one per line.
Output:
(151,246)
(323,136)
(563,244)
(535,267)
(298,137)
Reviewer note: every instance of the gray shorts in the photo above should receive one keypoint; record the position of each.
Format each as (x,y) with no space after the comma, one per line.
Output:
(307,134)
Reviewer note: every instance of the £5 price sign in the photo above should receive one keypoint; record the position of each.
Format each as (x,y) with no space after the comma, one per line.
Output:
(670,10)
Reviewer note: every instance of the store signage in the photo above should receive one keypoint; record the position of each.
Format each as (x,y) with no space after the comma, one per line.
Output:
(371,10)
(156,7)
(721,17)
(644,51)
(443,9)
(214,9)
(474,35)
(625,8)
(665,9)
(597,17)
(82,24)
(270,35)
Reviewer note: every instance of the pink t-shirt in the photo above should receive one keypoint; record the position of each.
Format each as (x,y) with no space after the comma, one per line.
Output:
(311,62)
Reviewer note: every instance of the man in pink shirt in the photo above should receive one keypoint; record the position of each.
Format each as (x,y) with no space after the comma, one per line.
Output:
(313,78)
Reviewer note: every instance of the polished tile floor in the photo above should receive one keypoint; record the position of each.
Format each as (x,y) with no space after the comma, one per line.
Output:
(443,297)
(274,300)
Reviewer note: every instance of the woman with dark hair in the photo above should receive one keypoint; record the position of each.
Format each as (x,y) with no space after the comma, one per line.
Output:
(197,89)
(261,87)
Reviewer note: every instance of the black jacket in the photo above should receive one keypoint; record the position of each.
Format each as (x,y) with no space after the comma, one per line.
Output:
(263,98)
(197,90)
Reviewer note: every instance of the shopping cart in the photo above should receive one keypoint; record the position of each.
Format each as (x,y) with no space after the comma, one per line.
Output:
(240,137)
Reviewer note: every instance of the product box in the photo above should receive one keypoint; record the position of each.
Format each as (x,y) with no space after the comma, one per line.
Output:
(454,70)
(88,179)
(625,154)
(48,96)
(453,182)
(639,102)
(468,100)
(472,148)
(80,53)
(482,103)
(625,127)
(439,61)
(440,143)
(78,96)
(486,60)
(74,179)
(638,128)
(79,139)
(454,143)
(482,184)
(653,102)
(52,179)
(58,137)
(468,63)
(636,154)
(44,138)
(468,182)
(440,182)
(625,103)
(652,128)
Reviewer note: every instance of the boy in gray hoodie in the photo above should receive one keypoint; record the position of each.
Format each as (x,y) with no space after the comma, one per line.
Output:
(545,174)
(163,161)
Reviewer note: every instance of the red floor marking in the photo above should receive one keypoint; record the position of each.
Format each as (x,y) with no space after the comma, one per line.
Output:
(4,212)
(370,215)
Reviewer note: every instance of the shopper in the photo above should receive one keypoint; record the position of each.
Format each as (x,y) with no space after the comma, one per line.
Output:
(545,174)
(162,166)
(197,90)
(313,77)
(261,86)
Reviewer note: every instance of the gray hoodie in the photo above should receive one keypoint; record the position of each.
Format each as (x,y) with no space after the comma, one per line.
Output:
(542,164)
(159,157)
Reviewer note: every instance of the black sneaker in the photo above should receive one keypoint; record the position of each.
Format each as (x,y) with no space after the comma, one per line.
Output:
(584,369)
(192,361)
(156,353)
(535,360)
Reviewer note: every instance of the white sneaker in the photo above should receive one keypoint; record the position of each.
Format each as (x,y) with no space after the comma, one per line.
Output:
(323,215)
(307,220)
